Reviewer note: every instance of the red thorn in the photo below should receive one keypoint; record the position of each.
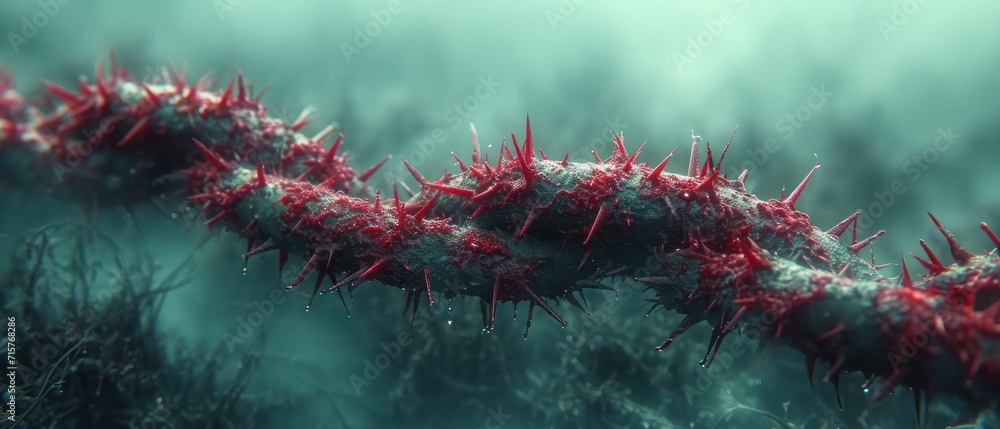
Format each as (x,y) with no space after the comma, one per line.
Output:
(529,148)
(227,94)
(839,228)
(367,174)
(67,96)
(586,255)
(427,282)
(794,196)
(934,268)
(282,259)
(620,150)
(400,212)
(565,160)
(461,192)
(836,330)
(461,165)
(856,247)
(253,224)
(693,164)
(179,80)
(493,303)
(753,253)
(521,159)
(211,157)
(542,304)
(707,183)
(325,132)
(597,158)
(140,127)
(726,149)
(152,95)
(545,156)
(426,208)
(933,258)
(476,155)
(527,222)
(268,245)
(907,281)
(241,95)
(603,213)
(333,149)
(306,269)
(631,160)
(655,173)
(217,218)
(416,174)
(989,232)
(375,268)
(261,182)
(961,255)
(682,327)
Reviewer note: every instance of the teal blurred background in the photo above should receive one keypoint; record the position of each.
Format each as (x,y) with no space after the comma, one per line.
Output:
(871,89)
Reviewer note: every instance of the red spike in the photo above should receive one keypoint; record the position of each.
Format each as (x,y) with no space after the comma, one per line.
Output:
(400,213)
(333,149)
(961,255)
(709,163)
(367,174)
(152,95)
(427,282)
(856,247)
(631,160)
(67,96)
(476,155)
(303,119)
(426,208)
(726,149)
(465,193)
(375,268)
(227,94)
(140,127)
(241,95)
(794,196)
(266,246)
(839,228)
(529,148)
(934,269)
(907,281)
(620,149)
(217,217)
(461,165)
(930,254)
(261,181)
(211,157)
(179,80)
(537,300)
(603,213)
(693,164)
(521,159)
(306,269)
(989,232)
(416,174)
(597,157)
(253,224)
(565,160)
(527,222)
(493,303)
(707,183)
(544,155)
(682,327)
(378,202)
(655,173)
(322,135)
(282,259)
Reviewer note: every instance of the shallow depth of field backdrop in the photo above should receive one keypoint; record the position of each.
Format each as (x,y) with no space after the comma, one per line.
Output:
(897,99)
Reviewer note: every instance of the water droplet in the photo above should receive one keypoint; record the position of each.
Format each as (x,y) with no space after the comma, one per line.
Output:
(132,171)
(173,215)
(449,322)
(244,271)
(251,206)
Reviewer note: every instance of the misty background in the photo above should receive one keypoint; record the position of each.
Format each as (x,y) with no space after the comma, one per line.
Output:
(897,99)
